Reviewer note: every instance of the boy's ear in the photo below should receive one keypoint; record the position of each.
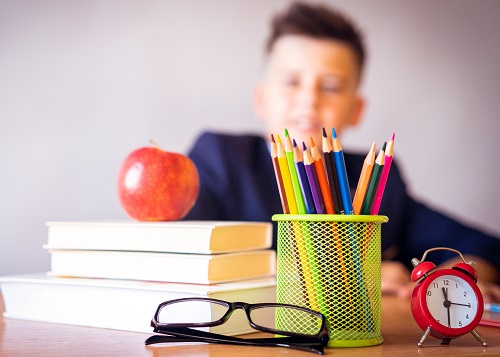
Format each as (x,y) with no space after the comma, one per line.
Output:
(259,101)
(357,113)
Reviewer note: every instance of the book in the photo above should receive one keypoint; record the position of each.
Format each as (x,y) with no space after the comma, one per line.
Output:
(203,237)
(167,267)
(490,318)
(120,304)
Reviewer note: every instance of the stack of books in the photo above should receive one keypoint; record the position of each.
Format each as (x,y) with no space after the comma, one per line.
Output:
(114,274)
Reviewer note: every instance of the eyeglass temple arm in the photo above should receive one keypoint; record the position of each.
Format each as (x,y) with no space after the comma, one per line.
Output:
(191,335)
(190,332)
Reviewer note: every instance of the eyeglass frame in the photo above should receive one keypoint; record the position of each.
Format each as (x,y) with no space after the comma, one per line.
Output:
(247,307)
(302,342)
(322,335)
(186,334)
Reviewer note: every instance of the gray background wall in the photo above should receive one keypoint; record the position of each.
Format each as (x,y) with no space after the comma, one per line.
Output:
(83,83)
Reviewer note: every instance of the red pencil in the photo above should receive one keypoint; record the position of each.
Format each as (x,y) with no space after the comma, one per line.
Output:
(323,181)
(389,152)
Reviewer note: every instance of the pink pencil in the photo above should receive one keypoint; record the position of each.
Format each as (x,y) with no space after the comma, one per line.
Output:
(389,152)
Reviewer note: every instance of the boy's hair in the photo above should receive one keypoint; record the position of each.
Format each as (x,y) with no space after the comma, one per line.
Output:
(320,22)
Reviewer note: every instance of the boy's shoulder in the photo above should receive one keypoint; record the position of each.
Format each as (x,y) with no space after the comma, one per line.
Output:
(213,137)
(211,141)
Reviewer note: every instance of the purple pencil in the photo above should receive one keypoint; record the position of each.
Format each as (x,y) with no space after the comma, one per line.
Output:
(312,177)
(304,185)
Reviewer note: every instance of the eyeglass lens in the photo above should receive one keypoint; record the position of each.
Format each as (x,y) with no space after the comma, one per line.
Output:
(284,319)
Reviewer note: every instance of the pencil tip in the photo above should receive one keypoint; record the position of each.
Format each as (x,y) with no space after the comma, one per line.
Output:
(286,132)
(374,146)
(324,132)
(272,138)
(393,135)
(278,139)
(312,142)
(383,147)
(294,143)
(334,133)
(304,147)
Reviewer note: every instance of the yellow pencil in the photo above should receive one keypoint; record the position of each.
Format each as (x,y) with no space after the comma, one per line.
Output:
(364,179)
(285,174)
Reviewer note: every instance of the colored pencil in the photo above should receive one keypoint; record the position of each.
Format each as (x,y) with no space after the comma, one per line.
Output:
(492,307)
(285,174)
(332,174)
(305,247)
(304,183)
(345,191)
(277,173)
(364,179)
(312,178)
(301,207)
(322,179)
(374,179)
(389,152)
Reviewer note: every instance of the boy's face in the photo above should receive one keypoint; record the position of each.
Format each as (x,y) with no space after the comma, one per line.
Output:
(310,84)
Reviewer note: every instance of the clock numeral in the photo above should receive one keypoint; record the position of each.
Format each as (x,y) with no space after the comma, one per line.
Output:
(435,285)
(459,323)
(456,285)
(465,293)
(467,316)
(429,293)
(446,282)
(469,305)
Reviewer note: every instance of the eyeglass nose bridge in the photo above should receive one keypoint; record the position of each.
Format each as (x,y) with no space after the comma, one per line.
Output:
(243,306)
(240,305)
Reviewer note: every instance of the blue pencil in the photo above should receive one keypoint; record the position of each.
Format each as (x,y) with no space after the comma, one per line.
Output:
(345,192)
(304,183)
(492,307)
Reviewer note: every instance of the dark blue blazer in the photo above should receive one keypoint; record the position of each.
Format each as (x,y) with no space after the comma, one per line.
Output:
(238,184)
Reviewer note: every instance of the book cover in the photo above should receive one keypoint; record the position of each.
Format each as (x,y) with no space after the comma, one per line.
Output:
(166,267)
(203,237)
(119,304)
(490,318)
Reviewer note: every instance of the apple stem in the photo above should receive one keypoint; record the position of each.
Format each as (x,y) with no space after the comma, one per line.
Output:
(154,143)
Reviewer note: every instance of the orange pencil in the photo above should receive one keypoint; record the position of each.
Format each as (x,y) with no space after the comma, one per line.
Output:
(277,173)
(323,181)
(364,179)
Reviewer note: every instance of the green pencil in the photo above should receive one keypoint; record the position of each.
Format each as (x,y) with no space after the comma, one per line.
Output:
(301,206)
(374,179)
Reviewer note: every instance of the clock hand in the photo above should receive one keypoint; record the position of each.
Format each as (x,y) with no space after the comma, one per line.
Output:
(447,304)
(445,293)
(454,303)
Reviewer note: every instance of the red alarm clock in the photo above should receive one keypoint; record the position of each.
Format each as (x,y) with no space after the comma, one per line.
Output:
(446,303)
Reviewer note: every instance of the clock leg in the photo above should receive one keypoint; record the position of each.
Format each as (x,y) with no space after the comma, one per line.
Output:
(446,341)
(479,338)
(424,337)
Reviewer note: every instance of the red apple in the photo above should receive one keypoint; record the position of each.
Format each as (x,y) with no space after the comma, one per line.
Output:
(155,185)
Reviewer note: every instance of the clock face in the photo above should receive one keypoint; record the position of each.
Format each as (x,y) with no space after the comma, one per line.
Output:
(451,301)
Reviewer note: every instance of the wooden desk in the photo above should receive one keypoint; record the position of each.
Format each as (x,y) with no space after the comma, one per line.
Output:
(22,338)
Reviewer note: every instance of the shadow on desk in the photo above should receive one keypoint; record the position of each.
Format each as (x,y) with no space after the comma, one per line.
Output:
(399,330)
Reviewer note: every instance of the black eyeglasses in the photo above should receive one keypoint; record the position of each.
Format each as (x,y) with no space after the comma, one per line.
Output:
(297,327)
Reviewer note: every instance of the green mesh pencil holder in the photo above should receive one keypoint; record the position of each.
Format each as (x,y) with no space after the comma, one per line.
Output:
(332,264)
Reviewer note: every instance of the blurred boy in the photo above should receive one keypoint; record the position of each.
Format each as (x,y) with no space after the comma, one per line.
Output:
(315,59)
